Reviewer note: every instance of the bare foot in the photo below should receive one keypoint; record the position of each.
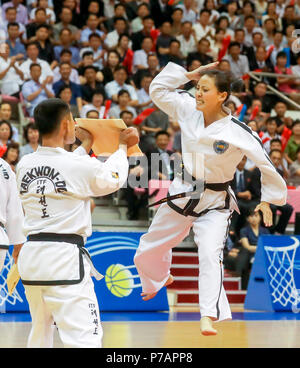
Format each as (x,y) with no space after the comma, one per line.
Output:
(147,296)
(206,327)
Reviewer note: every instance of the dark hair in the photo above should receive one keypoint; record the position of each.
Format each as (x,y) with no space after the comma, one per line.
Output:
(275,140)
(41,9)
(234,43)
(120,67)
(251,211)
(26,130)
(162,132)
(32,43)
(94,34)
(42,26)
(33,65)
(87,53)
(123,92)
(13,24)
(10,128)
(119,18)
(65,29)
(175,9)
(281,54)
(239,30)
(10,8)
(48,115)
(62,88)
(125,112)
(12,145)
(270,120)
(250,16)
(296,122)
(65,51)
(92,111)
(90,67)
(205,11)
(224,81)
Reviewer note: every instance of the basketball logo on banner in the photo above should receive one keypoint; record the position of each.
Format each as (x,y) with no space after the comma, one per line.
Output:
(120,281)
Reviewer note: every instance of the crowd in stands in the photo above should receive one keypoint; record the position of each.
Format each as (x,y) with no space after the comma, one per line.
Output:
(100,57)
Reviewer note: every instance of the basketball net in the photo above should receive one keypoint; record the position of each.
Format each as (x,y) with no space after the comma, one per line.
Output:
(4,295)
(281,272)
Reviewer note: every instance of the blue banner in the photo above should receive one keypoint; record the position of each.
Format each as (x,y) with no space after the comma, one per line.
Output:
(112,255)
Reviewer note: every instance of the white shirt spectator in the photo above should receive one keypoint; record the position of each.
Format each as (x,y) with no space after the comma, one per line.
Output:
(46,70)
(187,46)
(49,12)
(140,58)
(239,67)
(203,32)
(99,62)
(74,76)
(89,107)
(188,14)
(112,88)
(248,36)
(143,97)
(11,82)
(115,111)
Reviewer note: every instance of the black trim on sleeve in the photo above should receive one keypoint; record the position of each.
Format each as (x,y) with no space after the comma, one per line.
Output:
(245,127)
(2,246)
(184,91)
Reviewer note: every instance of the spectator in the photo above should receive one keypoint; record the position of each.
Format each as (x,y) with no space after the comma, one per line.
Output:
(65,72)
(162,162)
(137,37)
(239,63)
(271,13)
(189,15)
(153,69)
(137,23)
(281,119)
(35,90)
(96,104)
(51,18)
(287,85)
(91,85)
(6,114)
(269,29)
(65,22)
(260,92)
(202,27)
(279,43)
(123,104)
(276,144)
(154,123)
(160,11)
(231,13)
(40,19)
(16,47)
(111,63)
(143,93)
(65,57)
(246,195)
(95,46)
(11,17)
(91,27)
(6,133)
(249,239)
(217,43)
(260,117)
(294,171)
(22,14)
(140,57)
(270,133)
(11,75)
(223,23)
(201,54)
(119,12)
(163,43)
(175,55)
(31,136)
(112,88)
(187,39)
(250,28)
(239,36)
(293,143)
(127,117)
(65,93)
(11,155)
(125,52)
(177,15)
(112,38)
(66,40)
(44,45)
(32,52)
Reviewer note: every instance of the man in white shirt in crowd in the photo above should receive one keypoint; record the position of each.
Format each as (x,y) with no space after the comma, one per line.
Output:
(189,13)
(92,24)
(140,57)
(187,39)
(112,38)
(112,88)
(65,57)
(11,76)
(95,45)
(97,104)
(32,57)
(202,27)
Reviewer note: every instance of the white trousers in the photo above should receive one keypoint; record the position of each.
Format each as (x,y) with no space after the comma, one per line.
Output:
(153,258)
(73,308)
(2,258)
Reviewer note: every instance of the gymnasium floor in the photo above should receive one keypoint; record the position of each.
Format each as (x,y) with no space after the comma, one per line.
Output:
(178,328)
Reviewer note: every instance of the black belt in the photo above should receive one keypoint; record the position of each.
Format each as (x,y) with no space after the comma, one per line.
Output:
(188,210)
(53,237)
(66,238)
(2,246)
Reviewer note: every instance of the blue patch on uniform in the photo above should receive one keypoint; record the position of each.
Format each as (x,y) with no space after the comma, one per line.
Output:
(220,146)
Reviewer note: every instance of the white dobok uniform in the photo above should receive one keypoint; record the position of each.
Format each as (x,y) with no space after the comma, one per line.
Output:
(211,154)
(55,188)
(11,213)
